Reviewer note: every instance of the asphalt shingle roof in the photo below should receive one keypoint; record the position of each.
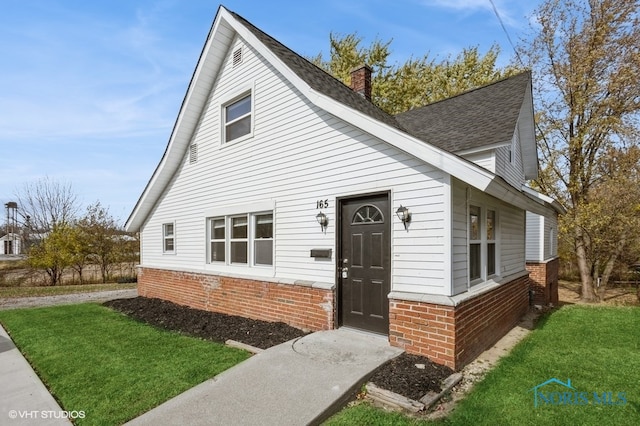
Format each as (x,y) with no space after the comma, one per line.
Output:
(479,117)
(319,79)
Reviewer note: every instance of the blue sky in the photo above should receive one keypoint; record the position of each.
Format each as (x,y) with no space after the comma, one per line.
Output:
(90,90)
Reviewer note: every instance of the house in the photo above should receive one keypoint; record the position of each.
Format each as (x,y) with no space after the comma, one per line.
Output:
(284,195)
(542,258)
(10,244)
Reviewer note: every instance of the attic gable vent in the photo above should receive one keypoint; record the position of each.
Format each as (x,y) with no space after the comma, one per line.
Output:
(237,57)
(193,153)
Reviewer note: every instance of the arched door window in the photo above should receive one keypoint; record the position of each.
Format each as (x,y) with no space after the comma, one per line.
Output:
(367,214)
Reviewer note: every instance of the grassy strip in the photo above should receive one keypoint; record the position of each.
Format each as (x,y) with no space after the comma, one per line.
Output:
(12,292)
(597,348)
(99,361)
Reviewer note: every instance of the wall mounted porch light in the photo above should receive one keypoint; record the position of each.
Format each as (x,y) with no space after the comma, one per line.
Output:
(323,220)
(404,215)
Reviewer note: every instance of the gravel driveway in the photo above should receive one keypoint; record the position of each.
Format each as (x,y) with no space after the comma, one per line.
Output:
(66,299)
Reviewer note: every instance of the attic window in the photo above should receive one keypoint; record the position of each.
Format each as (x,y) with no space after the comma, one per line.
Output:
(193,153)
(237,57)
(237,118)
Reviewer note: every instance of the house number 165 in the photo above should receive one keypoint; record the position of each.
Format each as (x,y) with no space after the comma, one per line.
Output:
(322,204)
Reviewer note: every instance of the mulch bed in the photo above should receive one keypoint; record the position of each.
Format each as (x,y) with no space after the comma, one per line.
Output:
(399,375)
(402,376)
(204,324)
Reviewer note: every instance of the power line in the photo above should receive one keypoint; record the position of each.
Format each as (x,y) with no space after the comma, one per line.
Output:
(495,10)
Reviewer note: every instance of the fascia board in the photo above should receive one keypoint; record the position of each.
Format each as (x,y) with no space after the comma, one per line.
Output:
(484,148)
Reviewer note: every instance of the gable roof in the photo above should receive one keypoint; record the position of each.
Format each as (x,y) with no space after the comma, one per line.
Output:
(322,90)
(473,119)
(317,78)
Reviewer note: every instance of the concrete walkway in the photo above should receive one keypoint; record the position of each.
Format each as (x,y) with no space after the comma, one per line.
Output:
(24,400)
(300,382)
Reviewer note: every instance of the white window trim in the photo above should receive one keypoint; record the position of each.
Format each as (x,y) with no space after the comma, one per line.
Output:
(165,237)
(227,264)
(241,92)
(484,250)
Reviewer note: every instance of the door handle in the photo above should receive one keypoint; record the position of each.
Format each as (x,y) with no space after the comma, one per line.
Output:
(344,271)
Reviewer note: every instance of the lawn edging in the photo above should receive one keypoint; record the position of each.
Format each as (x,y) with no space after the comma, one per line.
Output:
(395,401)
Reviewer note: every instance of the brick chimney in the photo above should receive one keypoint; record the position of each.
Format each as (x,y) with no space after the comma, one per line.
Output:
(361,81)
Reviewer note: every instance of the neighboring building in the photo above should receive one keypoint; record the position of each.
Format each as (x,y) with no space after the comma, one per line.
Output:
(10,244)
(284,195)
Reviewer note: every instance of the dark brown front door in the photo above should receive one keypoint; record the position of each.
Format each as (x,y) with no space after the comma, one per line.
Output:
(364,264)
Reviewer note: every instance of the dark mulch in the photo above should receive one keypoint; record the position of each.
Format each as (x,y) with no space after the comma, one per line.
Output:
(206,325)
(400,375)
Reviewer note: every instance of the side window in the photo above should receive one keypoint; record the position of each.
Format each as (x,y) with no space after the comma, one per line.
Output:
(168,238)
(491,242)
(237,118)
(475,243)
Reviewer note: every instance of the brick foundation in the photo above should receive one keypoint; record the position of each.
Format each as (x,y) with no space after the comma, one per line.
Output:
(449,335)
(544,281)
(301,306)
(456,335)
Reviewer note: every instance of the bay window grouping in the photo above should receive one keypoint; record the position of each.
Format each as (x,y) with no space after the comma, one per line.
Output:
(245,239)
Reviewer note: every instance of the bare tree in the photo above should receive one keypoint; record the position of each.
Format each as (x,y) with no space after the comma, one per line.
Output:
(585,59)
(46,203)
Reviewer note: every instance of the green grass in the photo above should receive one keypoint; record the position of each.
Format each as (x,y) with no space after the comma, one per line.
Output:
(9,292)
(598,348)
(99,361)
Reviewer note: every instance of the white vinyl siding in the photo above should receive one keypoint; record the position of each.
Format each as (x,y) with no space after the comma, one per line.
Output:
(542,237)
(509,234)
(298,155)
(485,159)
(509,163)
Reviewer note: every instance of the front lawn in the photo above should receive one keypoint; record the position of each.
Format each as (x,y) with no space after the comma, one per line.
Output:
(596,348)
(109,366)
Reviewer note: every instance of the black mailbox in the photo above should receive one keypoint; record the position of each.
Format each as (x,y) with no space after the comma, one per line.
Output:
(321,253)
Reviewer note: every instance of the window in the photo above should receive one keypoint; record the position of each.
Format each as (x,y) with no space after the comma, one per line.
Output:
(237,118)
(263,239)
(474,243)
(217,246)
(483,244)
(168,237)
(241,239)
(491,242)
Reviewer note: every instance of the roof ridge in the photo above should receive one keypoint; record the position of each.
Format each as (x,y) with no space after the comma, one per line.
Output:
(468,91)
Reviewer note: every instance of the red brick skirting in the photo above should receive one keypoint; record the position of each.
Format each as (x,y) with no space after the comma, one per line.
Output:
(301,306)
(456,335)
(449,335)
(544,281)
